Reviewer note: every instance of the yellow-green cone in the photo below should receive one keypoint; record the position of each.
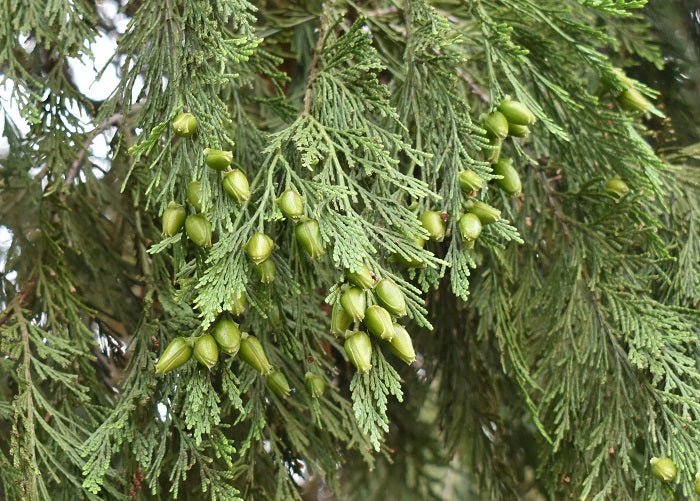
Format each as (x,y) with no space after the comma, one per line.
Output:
(173,219)
(218,159)
(617,187)
(664,469)
(259,247)
(496,124)
(516,112)
(362,277)
(469,227)
(354,303)
(291,204)
(198,230)
(389,296)
(510,182)
(278,383)
(308,234)
(485,212)
(176,354)
(434,222)
(518,130)
(340,320)
(315,384)
(266,271)
(469,181)
(252,353)
(236,185)
(185,125)
(238,303)
(401,345)
(358,348)
(227,336)
(378,323)
(194,195)
(206,351)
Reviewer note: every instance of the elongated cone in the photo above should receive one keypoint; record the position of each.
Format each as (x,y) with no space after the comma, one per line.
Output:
(617,187)
(663,469)
(206,351)
(363,277)
(266,271)
(238,303)
(469,227)
(194,195)
(176,354)
(340,320)
(401,345)
(259,247)
(495,152)
(314,384)
(236,185)
(291,204)
(185,125)
(411,262)
(697,484)
(390,297)
(632,100)
(470,181)
(518,130)
(253,354)
(496,124)
(218,159)
(434,222)
(516,112)
(173,219)
(354,303)
(358,348)
(485,212)
(227,336)
(198,230)
(378,323)
(278,383)
(510,183)
(308,234)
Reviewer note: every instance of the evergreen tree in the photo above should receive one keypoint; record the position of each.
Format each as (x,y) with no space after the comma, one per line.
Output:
(369,250)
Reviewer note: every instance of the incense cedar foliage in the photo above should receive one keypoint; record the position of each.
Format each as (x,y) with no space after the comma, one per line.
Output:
(555,341)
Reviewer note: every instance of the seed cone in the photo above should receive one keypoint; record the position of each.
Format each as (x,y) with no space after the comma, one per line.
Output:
(176,354)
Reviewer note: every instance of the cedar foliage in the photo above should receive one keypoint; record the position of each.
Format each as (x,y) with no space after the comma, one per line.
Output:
(555,358)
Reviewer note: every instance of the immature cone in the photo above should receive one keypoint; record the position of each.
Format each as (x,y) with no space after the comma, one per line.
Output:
(518,130)
(176,354)
(469,227)
(194,195)
(516,112)
(308,234)
(434,222)
(663,469)
(185,125)
(617,187)
(401,345)
(378,323)
(354,303)
(266,271)
(411,262)
(238,303)
(173,219)
(390,297)
(632,100)
(363,277)
(227,336)
(259,247)
(470,181)
(358,348)
(277,382)
(496,124)
(495,152)
(252,353)
(236,185)
(485,212)
(340,320)
(206,351)
(315,384)
(218,159)
(510,183)
(697,484)
(198,230)
(291,204)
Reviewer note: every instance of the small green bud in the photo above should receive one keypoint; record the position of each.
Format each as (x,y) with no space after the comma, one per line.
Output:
(663,469)
(278,383)
(358,348)
(236,185)
(496,124)
(354,303)
(266,271)
(411,262)
(632,100)
(185,125)
(470,181)
(378,322)
(198,230)
(340,320)
(291,204)
(469,227)
(697,484)
(308,234)
(389,296)
(252,353)
(194,195)
(173,219)
(401,345)
(485,212)
(206,351)
(434,222)
(518,130)
(227,336)
(617,187)
(510,183)
(259,247)
(238,303)
(315,384)
(218,159)
(516,112)
(363,277)
(176,354)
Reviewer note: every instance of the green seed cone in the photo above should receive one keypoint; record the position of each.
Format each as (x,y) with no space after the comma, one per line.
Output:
(358,348)
(185,125)
(218,159)
(354,303)
(663,469)
(198,230)
(494,153)
(697,484)
(378,323)
(363,277)
(252,353)
(389,296)
(236,185)
(173,219)
(176,354)
(291,204)
(485,212)
(266,271)
(633,100)
(278,383)
(340,320)
(617,187)
(434,222)
(227,336)
(410,262)
(496,124)
(516,112)
(510,183)
(470,181)
(206,351)
(259,247)
(238,303)
(469,227)
(401,345)
(518,130)
(308,234)
(315,384)
(194,195)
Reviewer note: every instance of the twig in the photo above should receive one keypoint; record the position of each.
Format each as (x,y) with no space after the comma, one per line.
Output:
(20,300)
